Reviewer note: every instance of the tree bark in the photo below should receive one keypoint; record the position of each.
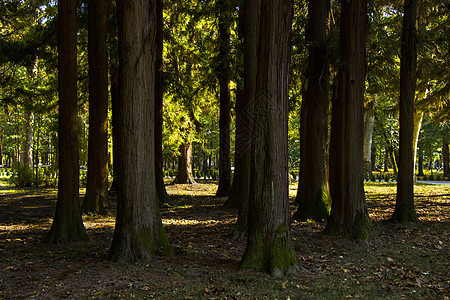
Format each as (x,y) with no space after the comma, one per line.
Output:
(97,171)
(139,234)
(349,216)
(269,244)
(445,153)
(223,75)
(184,174)
(369,118)
(420,167)
(418,118)
(159,92)
(404,205)
(248,21)
(67,224)
(313,194)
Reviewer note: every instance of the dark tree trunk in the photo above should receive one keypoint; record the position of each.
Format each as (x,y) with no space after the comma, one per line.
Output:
(241,179)
(139,234)
(1,152)
(249,22)
(67,224)
(223,75)
(159,92)
(269,244)
(97,172)
(349,216)
(184,174)
(445,153)
(404,205)
(313,196)
(420,166)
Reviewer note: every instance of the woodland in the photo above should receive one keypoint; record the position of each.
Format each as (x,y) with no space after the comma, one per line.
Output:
(224,149)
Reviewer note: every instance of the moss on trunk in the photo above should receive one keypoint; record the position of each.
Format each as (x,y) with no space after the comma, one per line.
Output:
(404,214)
(278,257)
(317,210)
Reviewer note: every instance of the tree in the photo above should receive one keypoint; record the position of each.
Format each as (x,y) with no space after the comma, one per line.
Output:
(313,197)
(240,189)
(223,75)
(404,205)
(67,224)
(349,216)
(139,233)
(445,150)
(184,174)
(269,243)
(97,173)
(159,92)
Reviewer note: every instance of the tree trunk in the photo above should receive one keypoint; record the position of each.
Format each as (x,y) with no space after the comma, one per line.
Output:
(139,234)
(269,244)
(445,152)
(248,21)
(67,224)
(223,74)
(184,175)
(420,167)
(369,119)
(313,195)
(97,171)
(349,216)
(159,92)
(418,118)
(404,205)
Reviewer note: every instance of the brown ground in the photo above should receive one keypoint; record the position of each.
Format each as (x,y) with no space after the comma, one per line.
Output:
(400,261)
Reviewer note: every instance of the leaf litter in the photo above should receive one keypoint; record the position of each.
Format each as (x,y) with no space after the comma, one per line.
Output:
(400,261)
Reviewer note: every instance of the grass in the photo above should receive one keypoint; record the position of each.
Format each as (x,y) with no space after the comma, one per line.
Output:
(400,261)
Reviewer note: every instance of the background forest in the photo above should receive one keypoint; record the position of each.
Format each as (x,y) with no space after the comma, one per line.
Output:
(191,99)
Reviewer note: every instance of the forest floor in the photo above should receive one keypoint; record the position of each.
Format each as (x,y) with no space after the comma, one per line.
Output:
(400,261)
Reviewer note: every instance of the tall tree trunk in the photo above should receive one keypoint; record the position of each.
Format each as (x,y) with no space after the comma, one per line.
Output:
(223,74)
(349,216)
(249,22)
(184,174)
(420,167)
(418,118)
(313,195)
(445,152)
(97,171)
(159,92)
(67,224)
(139,233)
(369,118)
(1,151)
(269,244)
(404,205)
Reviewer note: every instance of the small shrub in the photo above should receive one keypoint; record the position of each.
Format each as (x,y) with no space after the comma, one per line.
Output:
(438,178)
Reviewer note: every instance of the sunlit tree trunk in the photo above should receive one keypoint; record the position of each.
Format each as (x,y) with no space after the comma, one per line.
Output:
(418,118)
(67,224)
(184,174)
(269,243)
(313,195)
(349,216)
(159,92)
(404,205)
(223,74)
(139,233)
(97,172)
(369,119)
